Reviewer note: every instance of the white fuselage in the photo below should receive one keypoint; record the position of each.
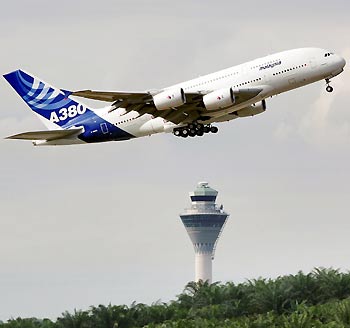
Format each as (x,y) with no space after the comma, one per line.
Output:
(275,74)
(282,72)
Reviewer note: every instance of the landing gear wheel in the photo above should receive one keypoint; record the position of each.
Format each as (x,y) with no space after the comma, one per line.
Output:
(199,126)
(192,133)
(206,129)
(214,129)
(200,133)
(329,88)
(184,133)
(177,133)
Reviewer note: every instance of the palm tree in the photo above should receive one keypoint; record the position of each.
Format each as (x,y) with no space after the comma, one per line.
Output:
(269,295)
(332,284)
(342,313)
(80,319)
(111,316)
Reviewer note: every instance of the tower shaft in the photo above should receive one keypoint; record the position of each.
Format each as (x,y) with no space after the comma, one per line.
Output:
(203,267)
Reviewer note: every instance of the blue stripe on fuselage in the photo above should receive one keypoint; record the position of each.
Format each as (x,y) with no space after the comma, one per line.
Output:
(96,129)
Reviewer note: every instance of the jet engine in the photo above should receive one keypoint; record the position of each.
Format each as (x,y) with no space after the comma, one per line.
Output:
(218,99)
(169,99)
(252,110)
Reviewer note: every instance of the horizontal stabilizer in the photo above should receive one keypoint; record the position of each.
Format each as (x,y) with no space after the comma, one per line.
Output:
(46,135)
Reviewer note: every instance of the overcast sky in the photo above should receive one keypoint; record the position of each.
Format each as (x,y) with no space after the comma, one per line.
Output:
(90,224)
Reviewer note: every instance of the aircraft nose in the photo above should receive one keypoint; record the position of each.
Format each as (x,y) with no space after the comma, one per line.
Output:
(341,61)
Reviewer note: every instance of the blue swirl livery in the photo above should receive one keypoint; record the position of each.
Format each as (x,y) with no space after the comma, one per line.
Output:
(58,111)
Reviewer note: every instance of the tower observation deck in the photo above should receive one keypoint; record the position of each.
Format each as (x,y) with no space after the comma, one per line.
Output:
(204,222)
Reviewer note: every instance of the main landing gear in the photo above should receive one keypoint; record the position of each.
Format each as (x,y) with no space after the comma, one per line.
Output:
(194,130)
(328,88)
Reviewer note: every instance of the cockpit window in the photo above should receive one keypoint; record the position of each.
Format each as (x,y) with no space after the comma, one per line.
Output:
(328,54)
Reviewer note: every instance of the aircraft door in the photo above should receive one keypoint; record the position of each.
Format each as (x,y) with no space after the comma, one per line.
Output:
(292,81)
(104,128)
(244,69)
(267,78)
(313,63)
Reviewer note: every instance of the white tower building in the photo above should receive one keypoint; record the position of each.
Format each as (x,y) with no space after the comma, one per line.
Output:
(204,222)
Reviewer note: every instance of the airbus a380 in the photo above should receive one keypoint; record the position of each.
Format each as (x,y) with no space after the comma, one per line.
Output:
(186,109)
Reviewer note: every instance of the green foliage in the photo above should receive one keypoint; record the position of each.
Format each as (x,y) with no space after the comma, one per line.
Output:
(28,323)
(318,299)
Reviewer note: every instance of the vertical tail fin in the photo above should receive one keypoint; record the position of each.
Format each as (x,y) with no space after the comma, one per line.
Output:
(53,105)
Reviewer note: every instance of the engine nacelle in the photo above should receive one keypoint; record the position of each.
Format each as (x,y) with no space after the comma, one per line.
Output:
(252,110)
(219,99)
(169,99)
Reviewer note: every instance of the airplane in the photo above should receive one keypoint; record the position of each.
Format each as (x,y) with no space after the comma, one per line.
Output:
(186,109)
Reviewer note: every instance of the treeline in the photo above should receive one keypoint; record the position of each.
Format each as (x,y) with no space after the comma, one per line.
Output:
(318,299)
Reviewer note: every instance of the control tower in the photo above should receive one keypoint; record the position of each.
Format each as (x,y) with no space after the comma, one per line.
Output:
(204,222)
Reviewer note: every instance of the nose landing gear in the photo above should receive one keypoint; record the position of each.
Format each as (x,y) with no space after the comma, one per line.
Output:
(329,88)
(194,129)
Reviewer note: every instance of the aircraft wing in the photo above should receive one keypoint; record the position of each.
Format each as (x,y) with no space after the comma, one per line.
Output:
(142,102)
(111,96)
(46,135)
